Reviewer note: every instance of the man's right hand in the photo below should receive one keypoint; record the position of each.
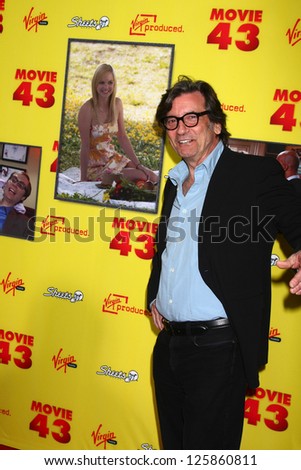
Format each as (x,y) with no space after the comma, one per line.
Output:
(157,317)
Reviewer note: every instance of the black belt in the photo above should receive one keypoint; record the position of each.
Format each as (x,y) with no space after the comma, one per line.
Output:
(194,327)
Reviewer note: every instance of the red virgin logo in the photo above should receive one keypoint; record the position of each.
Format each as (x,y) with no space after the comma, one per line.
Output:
(32,21)
(294,33)
(10,286)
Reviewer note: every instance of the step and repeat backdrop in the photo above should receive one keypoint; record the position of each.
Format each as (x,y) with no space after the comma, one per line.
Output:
(76,337)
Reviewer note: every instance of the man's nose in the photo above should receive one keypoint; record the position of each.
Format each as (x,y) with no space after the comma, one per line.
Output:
(181,129)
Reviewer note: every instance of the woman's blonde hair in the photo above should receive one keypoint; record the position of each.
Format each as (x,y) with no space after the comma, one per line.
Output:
(99,72)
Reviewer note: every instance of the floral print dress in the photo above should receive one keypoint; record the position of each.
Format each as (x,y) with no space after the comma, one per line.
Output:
(103,157)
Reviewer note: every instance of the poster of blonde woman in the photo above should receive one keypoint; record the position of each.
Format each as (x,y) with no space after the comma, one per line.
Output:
(110,151)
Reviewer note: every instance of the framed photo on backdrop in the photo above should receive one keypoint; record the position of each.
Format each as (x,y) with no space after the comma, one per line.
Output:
(7,171)
(15,153)
(141,72)
(20,221)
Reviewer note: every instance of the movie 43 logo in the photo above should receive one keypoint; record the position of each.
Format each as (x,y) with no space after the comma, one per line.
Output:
(37,86)
(51,421)
(285,115)
(134,235)
(275,415)
(247,31)
(20,353)
(123,243)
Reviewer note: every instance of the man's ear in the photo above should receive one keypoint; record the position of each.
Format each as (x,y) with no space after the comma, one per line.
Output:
(217,128)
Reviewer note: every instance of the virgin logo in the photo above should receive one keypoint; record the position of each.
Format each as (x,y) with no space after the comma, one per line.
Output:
(62,362)
(100,438)
(294,34)
(32,21)
(12,286)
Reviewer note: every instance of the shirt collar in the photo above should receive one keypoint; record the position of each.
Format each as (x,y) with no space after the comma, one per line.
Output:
(178,174)
(293,177)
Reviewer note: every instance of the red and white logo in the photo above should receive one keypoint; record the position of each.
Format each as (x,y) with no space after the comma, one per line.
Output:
(116,303)
(11,285)
(61,361)
(101,438)
(113,303)
(33,20)
(52,224)
(143,24)
(294,33)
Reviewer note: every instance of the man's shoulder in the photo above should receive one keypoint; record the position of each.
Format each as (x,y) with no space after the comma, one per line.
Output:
(242,158)
(18,225)
(15,215)
(296,183)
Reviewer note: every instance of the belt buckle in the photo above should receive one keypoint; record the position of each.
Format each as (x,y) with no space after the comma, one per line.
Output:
(199,330)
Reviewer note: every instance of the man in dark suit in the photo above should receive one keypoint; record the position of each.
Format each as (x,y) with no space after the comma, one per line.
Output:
(210,286)
(13,220)
(290,163)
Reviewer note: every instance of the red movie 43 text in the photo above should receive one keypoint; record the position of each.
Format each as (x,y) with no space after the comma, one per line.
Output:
(247,32)
(28,91)
(21,353)
(51,421)
(131,232)
(285,115)
(274,415)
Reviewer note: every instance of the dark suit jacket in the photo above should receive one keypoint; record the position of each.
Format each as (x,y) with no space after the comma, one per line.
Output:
(247,203)
(296,183)
(17,225)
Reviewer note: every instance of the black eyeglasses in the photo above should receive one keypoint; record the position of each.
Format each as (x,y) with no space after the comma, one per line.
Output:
(190,120)
(18,183)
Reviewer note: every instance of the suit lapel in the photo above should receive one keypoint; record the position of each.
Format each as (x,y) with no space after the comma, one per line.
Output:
(220,183)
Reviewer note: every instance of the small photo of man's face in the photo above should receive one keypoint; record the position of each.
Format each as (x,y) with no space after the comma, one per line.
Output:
(15,188)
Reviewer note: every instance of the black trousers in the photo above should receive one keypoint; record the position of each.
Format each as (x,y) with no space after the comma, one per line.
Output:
(200,390)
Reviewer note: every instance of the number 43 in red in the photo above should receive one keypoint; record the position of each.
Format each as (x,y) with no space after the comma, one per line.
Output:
(40,425)
(221,35)
(45,94)
(122,242)
(277,415)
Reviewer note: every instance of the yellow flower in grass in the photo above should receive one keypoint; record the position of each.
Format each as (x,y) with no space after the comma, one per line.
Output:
(106,196)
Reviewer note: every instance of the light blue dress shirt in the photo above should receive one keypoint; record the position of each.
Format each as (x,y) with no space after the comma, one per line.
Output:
(182,294)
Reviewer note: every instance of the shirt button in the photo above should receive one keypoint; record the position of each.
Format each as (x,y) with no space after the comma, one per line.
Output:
(170,301)
(172,270)
(184,211)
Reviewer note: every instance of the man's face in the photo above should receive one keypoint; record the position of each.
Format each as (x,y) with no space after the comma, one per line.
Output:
(14,189)
(193,144)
